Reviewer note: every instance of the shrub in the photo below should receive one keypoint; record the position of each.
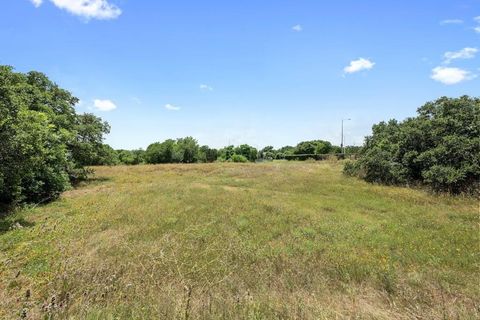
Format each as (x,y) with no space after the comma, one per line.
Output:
(439,148)
(42,139)
(239,158)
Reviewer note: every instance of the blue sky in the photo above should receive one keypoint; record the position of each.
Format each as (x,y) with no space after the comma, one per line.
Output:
(258,72)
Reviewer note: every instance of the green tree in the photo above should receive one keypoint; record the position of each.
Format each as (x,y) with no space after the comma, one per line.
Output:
(160,152)
(305,147)
(207,154)
(323,147)
(268,153)
(226,153)
(187,149)
(314,147)
(439,148)
(88,149)
(39,131)
(247,151)
(107,156)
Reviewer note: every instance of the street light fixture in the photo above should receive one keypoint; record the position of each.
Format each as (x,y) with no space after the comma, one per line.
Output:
(342,147)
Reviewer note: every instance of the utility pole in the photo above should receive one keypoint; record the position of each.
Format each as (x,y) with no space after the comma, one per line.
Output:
(342,147)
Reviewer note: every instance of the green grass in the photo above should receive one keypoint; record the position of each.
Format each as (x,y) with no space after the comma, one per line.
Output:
(245,241)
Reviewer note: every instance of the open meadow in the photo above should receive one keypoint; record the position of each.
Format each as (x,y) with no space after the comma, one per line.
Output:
(286,240)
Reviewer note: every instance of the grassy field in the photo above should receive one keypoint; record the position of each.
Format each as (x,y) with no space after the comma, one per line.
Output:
(244,241)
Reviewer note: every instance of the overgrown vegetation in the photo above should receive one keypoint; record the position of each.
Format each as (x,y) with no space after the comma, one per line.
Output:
(440,148)
(270,240)
(276,240)
(44,144)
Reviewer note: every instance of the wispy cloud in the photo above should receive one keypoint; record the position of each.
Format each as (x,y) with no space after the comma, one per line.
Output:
(104,105)
(451,21)
(88,9)
(449,76)
(477,28)
(171,107)
(206,87)
(465,53)
(36,3)
(297,28)
(359,65)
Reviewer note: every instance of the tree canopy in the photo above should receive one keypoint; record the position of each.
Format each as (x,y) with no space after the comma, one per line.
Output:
(44,144)
(439,148)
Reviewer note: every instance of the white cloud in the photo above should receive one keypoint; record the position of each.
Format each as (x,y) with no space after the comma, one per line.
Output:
(206,87)
(477,19)
(451,21)
(451,76)
(36,3)
(477,29)
(465,53)
(171,107)
(359,65)
(104,105)
(89,9)
(297,28)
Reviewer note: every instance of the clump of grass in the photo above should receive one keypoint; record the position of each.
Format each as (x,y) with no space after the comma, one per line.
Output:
(272,240)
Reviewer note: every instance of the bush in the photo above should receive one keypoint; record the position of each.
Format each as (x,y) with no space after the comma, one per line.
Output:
(350,168)
(439,148)
(42,139)
(239,158)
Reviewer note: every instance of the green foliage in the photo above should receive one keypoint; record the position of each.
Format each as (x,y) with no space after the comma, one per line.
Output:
(226,153)
(267,153)
(131,157)
(239,158)
(249,152)
(207,154)
(44,144)
(187,150)
(107,156)
(183,150)
(284,151)
(439,148)
(314,147)
(125,157)
(351,149)
(350,168)
(88,149)
(160,152)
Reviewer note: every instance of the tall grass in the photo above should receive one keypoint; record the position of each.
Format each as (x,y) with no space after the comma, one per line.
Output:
(242,241)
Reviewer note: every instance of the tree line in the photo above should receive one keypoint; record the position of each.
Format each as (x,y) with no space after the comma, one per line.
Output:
(46,147)
(188,150)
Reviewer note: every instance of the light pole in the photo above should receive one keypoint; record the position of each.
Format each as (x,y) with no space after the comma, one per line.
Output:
(342,148)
